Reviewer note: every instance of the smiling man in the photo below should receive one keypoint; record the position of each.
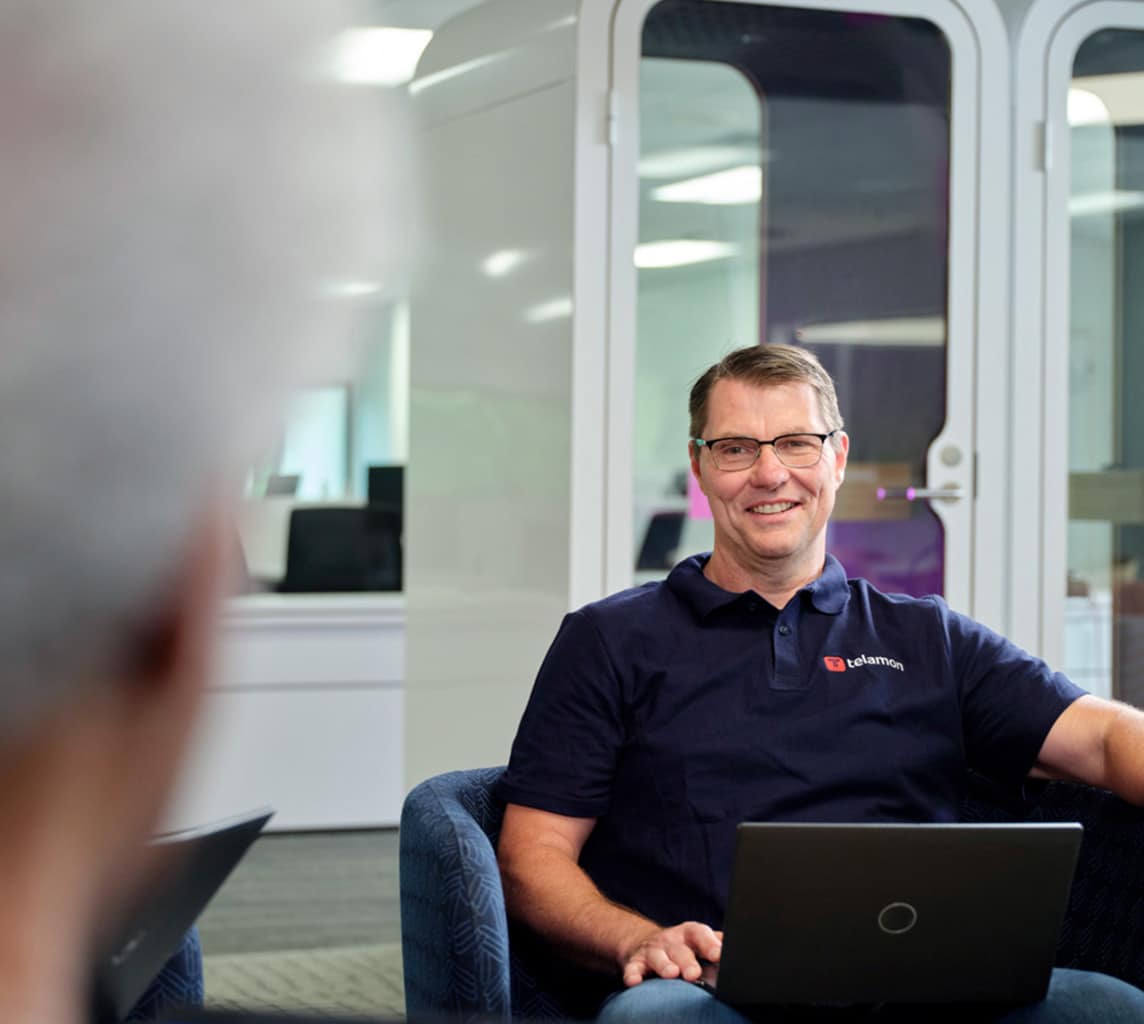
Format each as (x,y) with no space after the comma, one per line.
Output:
(759,683)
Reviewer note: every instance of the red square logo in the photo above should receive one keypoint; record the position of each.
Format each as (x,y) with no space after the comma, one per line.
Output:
(835,664)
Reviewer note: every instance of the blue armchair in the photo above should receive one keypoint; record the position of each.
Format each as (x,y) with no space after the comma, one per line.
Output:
(462,957)
(179,983)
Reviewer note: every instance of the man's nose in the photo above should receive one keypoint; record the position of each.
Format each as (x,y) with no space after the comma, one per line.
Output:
(768,471)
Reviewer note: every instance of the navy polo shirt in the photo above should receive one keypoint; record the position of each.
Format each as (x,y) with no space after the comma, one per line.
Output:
(675,710)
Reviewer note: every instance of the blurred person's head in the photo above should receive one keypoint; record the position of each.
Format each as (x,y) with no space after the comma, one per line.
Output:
(183,187)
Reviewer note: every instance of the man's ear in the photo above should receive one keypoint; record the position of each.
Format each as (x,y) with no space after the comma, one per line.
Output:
(176,638)
(841,442)
(693,456)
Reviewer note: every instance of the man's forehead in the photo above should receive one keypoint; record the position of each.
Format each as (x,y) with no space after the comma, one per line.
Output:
(731,396)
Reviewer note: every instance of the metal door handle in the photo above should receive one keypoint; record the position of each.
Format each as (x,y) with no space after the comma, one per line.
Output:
(951,493)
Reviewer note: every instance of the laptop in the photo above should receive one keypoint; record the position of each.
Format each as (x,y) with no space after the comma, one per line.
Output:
(851,914)
(198,862)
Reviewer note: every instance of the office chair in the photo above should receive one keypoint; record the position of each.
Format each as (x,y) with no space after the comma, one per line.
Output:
(342,549)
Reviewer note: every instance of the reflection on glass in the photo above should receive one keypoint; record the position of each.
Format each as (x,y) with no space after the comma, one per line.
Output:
(1104,618)
(810,150)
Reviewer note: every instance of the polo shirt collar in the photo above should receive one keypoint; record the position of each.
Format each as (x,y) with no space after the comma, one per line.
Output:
(829,593)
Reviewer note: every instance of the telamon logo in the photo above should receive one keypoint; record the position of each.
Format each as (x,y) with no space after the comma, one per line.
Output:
(842,664)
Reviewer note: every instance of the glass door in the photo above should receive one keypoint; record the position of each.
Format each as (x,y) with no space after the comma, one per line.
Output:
(796,173)
(1092,420)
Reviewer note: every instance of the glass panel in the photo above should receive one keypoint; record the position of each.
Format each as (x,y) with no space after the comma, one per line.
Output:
(323,508)
(803,155)
(1104,617)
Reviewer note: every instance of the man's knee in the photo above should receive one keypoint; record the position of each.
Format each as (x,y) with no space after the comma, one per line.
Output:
(1083,997)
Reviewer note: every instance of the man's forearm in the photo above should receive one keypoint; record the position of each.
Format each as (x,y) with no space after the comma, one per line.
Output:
(551,893)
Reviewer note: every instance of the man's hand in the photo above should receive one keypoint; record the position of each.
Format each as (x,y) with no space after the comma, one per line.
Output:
(672,953)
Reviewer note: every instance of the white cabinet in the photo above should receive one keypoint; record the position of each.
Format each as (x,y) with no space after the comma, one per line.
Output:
(306,714)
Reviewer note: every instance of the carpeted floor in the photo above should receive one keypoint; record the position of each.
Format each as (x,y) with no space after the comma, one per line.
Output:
(335,981)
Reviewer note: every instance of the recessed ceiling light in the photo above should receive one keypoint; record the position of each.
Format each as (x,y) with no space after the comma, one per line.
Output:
(379,56)
(679,252)
(737,185)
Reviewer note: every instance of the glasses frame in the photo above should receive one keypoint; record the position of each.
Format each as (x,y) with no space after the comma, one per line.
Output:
(707,442)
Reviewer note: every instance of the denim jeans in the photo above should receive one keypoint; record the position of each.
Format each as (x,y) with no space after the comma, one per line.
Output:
(1074,997)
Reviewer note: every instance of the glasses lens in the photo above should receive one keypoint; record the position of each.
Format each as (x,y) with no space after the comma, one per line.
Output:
(735,452)
(797,450)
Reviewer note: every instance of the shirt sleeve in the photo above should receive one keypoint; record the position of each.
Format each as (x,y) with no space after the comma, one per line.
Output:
(564,755)
(1009,699)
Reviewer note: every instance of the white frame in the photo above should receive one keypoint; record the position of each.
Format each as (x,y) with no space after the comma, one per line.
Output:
(978,288)
(1052,32)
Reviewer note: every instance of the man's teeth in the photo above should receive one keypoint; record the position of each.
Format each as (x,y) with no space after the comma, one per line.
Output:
(770,510)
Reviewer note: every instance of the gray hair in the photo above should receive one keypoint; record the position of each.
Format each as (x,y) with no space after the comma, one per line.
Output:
(178,181)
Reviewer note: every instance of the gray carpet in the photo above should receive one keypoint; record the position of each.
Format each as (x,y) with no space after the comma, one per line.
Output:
(347,980)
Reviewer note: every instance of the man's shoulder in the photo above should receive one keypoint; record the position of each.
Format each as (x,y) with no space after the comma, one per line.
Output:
(656,603)
(895,604)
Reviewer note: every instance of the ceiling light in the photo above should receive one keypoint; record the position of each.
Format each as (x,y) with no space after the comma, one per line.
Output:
(1090,203)
(680,252)
(503,261)
(693,160)
(734,186)
(1120,95)
(1086,107)
(353,289)
(379,56)
(923,331)
(554,309)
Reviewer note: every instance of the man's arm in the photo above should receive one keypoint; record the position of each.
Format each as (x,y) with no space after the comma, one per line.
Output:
(545,887)
(1097,741)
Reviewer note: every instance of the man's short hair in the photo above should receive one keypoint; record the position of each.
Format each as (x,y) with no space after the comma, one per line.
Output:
(182,187)
(764,366)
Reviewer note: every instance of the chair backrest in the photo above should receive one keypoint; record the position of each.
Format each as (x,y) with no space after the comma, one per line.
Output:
(342,549)
(178,984)
(1101,930)
(459,954)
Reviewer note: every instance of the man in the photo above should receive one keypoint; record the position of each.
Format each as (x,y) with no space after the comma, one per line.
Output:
(664,715)
(180,185)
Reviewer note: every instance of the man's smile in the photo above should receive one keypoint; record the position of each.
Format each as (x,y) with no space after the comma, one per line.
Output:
(772,508)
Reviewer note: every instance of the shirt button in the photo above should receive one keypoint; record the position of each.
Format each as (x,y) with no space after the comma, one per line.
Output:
(784,630)
(752,606)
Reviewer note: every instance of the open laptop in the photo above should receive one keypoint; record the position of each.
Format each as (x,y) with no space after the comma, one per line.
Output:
(198,861)
(844,914)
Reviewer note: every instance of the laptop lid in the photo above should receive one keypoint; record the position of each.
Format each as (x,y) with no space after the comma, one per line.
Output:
(823,913)
(198,862)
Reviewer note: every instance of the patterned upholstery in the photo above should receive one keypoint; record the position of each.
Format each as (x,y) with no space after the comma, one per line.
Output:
(1102,925)
(458,954)
(461,957)
(179,983)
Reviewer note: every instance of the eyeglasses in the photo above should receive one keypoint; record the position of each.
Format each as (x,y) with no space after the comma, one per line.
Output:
(795,451)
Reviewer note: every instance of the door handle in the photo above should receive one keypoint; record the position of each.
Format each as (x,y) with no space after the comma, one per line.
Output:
(950,493)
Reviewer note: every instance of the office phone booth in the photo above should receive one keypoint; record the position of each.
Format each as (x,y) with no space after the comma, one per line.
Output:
(620,192)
